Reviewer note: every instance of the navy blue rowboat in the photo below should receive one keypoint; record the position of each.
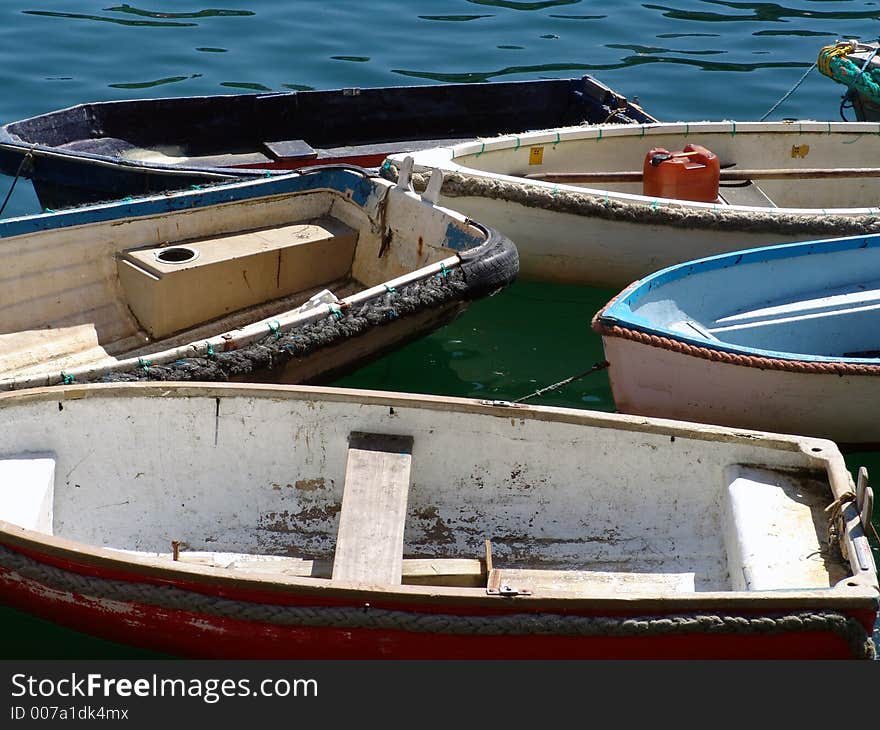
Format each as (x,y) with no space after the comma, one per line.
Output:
(106,150)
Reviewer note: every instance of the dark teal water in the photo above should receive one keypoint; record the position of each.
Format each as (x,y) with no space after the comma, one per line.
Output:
(684,60)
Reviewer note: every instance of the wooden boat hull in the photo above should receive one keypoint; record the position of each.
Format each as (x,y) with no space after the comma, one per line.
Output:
(105,578)
(108,150)
(778,338)
(92,293)
(608,235)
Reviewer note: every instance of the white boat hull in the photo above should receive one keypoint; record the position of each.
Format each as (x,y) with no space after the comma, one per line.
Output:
(608,234)
(653,381)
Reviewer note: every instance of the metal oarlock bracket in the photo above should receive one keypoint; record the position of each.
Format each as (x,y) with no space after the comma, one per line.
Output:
(495,587)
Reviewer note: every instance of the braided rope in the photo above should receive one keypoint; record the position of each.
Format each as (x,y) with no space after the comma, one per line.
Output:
(279,347)
(731,358)
(365,617)
(655,212)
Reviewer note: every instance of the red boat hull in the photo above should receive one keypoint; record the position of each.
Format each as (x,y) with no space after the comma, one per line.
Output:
(202,635)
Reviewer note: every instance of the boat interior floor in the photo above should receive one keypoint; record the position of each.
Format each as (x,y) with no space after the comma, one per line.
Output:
(769,533)
(266,154)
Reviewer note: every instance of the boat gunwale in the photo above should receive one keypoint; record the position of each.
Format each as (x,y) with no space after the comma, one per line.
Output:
(615,319)
(823,453)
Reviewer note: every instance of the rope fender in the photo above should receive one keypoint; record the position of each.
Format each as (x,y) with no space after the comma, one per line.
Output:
(657,212)
(170,597)
(279,347)
(732,358)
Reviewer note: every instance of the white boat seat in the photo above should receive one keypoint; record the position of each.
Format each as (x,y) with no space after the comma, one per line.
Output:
(369,542)
(749,194)
(764,550)
(27,485)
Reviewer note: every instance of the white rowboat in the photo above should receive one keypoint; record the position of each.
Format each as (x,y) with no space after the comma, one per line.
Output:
(804,180)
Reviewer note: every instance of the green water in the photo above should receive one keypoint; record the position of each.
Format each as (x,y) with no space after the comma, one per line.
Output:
(684,59)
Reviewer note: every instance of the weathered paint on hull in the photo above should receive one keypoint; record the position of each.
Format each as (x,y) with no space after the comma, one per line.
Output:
(204,636)
(652,381)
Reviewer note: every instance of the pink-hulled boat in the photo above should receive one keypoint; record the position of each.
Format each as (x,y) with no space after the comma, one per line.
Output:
(296,522)
(780,338)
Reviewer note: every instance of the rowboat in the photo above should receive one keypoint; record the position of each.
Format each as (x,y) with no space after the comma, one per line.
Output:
(295,278)
(781,338)
(574,198)
(298,522)
(106,150)
(855,65)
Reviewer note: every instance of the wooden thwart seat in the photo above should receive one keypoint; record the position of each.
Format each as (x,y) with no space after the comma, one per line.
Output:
(369,543)
(749,194)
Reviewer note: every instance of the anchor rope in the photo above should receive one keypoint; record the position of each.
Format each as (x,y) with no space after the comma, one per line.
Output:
(596,367)
(27,160)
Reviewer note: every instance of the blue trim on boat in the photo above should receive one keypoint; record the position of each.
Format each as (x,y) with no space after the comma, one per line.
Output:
(459,239)
(620,312)
(346,180)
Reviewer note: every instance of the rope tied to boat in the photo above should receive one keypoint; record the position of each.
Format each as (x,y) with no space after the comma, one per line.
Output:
(25,166)
(837,521)
(171,597)
(277,348)
(788,93)
(731,358)
(594,369)
(656,212)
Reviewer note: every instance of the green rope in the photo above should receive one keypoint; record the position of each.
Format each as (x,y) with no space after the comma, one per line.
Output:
(67,379)
(274,328)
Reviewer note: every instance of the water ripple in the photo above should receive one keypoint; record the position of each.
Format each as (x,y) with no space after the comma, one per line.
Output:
(102,19)
(454,18)
(513,5)
(211,13)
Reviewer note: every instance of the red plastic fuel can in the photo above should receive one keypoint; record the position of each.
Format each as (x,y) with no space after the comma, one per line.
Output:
(691,174)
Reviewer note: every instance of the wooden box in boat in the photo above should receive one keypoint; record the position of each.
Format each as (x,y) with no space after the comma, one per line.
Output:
(293,278)
(106,150)
(284,522)
(782,338)
(791,181)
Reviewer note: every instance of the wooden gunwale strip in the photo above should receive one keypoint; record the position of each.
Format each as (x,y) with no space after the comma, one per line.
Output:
(498,409)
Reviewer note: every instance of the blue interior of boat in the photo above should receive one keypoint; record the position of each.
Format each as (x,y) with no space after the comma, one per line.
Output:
(816,300)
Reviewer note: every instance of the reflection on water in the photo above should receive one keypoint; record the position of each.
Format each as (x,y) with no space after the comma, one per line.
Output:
(765,12)
(151,84)
(212,13)
(454,18)
(102,19)
(513,5)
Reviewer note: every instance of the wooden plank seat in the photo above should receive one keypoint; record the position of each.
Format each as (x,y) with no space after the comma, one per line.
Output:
(369,542)
(749,194)
(462,572)
(522,581)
